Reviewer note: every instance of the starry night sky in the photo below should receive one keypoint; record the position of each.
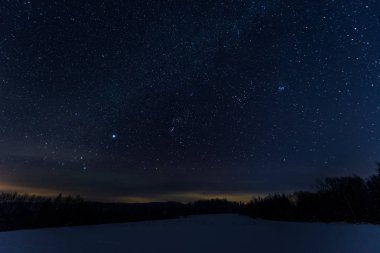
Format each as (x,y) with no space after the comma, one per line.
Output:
(179,100)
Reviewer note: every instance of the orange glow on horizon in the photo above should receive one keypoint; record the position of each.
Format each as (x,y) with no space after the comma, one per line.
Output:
(191,196)
(178,196)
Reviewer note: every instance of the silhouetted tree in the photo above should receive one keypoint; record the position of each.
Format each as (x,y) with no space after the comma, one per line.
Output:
(373,184)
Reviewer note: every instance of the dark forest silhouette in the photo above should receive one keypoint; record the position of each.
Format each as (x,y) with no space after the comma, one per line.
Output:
(348,199)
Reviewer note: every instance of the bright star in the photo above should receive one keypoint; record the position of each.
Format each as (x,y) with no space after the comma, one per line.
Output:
(114,136)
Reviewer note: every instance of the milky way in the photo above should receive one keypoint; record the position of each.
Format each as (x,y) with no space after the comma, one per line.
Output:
(175,100)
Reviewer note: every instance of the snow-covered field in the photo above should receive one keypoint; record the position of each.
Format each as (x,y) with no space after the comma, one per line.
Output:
(207,233)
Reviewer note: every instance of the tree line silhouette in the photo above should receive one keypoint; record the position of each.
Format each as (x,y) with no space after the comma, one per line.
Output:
(20,211)
(349,199)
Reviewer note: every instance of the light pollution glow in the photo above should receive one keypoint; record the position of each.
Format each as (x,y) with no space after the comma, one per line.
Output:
(180,196)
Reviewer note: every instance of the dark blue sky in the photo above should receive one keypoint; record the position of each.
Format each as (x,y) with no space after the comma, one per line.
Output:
(175,100)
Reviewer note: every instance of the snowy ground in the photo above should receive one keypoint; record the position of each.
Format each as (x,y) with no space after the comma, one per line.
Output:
(207,233)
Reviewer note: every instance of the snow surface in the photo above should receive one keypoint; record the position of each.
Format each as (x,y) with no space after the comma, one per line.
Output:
(206,233)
